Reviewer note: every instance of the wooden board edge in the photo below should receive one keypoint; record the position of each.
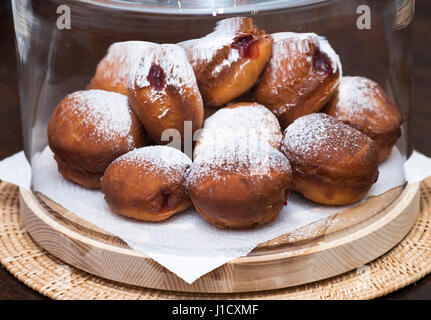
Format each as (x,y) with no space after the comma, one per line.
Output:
(213,282)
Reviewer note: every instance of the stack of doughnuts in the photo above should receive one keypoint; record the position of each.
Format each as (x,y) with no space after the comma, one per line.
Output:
(238,87)
(237,162)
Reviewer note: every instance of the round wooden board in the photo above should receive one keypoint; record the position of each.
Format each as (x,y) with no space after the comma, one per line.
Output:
(318,251)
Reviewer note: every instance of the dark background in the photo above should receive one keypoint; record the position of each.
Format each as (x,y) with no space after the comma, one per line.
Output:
(11,137)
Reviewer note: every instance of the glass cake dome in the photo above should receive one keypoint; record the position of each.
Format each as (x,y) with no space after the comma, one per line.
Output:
(343,53)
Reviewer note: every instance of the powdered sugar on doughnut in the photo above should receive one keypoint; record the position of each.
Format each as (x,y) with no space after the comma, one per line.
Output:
(357,94)
(231,58)
(107,113)
(251,123)
(298,45)
(172,59)
(163,160)
(205,48)
(236,158)
(123,56)
(317,137)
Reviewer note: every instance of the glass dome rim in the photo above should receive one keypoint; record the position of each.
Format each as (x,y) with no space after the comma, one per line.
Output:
(267,5)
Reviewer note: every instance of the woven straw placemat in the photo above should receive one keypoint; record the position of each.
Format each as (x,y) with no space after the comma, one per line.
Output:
(408,262)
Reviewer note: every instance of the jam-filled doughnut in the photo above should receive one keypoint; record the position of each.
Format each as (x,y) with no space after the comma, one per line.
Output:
(88,130)
(362,103)
(228,61)
(163,92)
(240,187)
(148,183)
(249,122)
(332,162)
(301,76)
(113,70)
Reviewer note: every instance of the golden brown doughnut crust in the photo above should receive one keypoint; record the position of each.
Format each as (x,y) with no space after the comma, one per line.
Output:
(112,72)
(240,188)
(147,184)
(163,92)
(300,78)
(86,179)
(363,104)
(228,62)
(89,129)
(332,163)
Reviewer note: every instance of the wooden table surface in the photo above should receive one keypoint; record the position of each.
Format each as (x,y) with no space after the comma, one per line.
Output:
(11,137)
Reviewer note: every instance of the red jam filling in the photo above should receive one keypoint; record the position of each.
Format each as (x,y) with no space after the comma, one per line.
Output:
(286,196)
(322,63)
(166,200)
(156,77)
(246,46)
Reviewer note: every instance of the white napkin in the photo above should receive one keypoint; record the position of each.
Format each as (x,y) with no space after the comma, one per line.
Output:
(186,244)
(16,170)
(417,167)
